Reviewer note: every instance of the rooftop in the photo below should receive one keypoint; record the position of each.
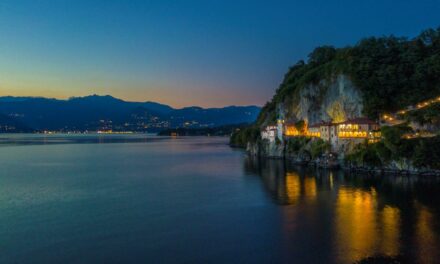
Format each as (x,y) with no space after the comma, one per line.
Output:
(322,123)
(357,120)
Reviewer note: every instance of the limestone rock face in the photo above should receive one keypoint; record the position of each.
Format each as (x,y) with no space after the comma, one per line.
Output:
(334,100)
(265,149)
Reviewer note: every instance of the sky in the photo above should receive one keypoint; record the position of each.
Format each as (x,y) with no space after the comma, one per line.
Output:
(182,53)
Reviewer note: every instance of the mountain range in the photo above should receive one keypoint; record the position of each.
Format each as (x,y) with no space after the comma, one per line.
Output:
(105,113)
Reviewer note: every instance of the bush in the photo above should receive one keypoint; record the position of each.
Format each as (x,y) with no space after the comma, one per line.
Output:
(391,72)
(319,147)
(296,144)
(366,155)
(241,137)
(422,152)
(427,153)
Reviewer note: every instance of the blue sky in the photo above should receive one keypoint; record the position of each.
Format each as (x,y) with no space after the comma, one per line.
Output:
(207,53)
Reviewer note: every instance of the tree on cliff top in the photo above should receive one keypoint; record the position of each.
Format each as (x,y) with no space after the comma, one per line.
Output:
(322,55)
(391,72)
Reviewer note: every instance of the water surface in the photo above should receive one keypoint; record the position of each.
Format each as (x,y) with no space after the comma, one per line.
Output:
(138,198)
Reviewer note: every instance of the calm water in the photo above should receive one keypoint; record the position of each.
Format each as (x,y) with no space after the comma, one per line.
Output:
(140,199)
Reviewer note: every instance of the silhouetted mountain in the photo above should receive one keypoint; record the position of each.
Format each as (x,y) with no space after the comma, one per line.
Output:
(10,125)
(225,130)
(158,108)
(108,113)
(215,116)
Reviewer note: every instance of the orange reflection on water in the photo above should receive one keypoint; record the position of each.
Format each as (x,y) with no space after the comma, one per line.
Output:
(298,187)
(356,230)
(390,217)
(425,236)
(310,189)
(293,187)
(361,229)
(331,180)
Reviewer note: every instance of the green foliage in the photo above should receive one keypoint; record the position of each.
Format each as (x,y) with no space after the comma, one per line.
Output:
(301,126)
(392,147)
(319,147)
(422,152)
(384,153)
(366,155)
(391,72)
(322,55)
(427,153)
(296,144)
(428,115)
(225,130)
(267,114)
(241,137)
(392,136)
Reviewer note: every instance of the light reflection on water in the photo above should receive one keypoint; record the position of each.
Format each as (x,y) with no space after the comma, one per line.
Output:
(145,199)
(88,138)
(358,216)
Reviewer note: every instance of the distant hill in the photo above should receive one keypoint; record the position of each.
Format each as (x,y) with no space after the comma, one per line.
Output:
(10,125)
(108,113)
(225,130)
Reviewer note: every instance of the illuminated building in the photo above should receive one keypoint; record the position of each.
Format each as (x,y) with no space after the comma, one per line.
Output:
(269,133)
(357,129)
(314,131)
(328,132)
(362,128)
(290,130)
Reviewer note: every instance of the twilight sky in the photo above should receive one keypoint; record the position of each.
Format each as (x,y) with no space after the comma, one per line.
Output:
(206,53)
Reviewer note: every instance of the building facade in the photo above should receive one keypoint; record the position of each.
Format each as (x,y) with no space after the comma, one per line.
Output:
(269,133)
(355,130)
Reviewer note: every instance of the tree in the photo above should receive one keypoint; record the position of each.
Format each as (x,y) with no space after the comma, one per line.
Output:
(427,153)
(319,147)
(322,55)
(301,126)
(392,136)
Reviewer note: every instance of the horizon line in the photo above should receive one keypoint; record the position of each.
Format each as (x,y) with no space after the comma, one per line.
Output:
(128,101)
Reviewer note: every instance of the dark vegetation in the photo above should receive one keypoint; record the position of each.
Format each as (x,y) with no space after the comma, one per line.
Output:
(297,144)
(429,115)
(420,152)
(241,137)
(108,113)
(207,131)
(392,73)
(301,146)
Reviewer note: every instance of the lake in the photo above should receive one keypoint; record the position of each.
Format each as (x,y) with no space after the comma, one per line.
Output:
(147,199)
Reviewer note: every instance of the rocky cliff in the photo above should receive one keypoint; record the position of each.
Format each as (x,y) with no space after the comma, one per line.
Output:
(336,99)
(266,149)
(373,77)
